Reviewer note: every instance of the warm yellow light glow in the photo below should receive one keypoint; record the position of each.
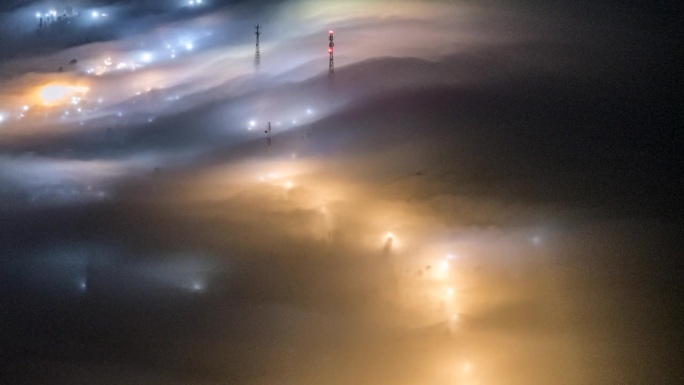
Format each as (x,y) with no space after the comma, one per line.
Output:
(53,94)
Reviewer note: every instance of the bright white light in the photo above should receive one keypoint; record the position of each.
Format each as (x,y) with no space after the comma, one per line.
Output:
(147,57)
(95,14)
(38,15)
(2,118)
(191,2)
(25,108)
(389,235)
(288,184)
(189,46)
(252,123)
(444,266)
(199,1)
(53,13)
(309,111)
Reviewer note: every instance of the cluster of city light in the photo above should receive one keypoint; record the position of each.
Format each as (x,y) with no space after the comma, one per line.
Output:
(308,113)
(97,15)
(53,94)
(50,13)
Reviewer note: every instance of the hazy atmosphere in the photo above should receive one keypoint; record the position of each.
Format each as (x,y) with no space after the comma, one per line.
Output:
(363,192)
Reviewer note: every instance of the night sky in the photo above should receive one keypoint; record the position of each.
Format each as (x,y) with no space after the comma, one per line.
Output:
(481,192)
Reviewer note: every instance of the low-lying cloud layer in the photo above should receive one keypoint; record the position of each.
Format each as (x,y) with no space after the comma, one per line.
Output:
(481,193)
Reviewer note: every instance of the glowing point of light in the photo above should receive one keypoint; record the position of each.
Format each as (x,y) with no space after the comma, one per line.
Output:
(25,108)
(83,286)
(147,57)
(288,185)
(444,266)
(389,235)
(53,13)
(309,111)
(196,286)
(38,15)
(294,122)
(95,14)
(189,46)
(331,31)
(252,123)
(2,118)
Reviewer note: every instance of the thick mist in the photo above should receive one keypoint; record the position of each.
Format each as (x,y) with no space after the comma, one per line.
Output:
(481,193)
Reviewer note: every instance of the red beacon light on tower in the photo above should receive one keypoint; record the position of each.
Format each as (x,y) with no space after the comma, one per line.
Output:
(331,45)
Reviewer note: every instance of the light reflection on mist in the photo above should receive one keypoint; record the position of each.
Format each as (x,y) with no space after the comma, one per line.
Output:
(401,225)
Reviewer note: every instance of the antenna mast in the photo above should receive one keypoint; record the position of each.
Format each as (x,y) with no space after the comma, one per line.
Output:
(331,63)
(257,56)
(268,134)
